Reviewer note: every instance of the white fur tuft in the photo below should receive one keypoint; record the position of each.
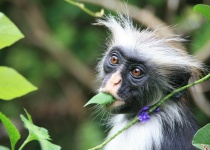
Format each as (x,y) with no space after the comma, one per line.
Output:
(163,51)
(142,136)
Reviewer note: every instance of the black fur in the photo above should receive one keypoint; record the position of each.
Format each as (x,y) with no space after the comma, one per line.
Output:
(164,67)
(180,137)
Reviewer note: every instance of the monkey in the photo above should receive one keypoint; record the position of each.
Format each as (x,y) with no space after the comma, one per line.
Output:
(139,68)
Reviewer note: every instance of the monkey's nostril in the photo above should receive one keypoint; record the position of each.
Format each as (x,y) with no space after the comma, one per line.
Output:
(118,82)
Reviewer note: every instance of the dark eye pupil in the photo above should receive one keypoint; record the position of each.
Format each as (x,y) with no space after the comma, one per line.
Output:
(114,59)
(136,72)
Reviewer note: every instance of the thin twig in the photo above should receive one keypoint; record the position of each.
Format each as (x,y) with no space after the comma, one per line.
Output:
(82,6)
(150,111)
(143,16)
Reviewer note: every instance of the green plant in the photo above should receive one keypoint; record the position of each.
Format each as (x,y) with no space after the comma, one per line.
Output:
(201,139)
(203,9)
(13,85)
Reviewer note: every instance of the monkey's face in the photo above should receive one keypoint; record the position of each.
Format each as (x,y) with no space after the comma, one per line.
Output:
(142,67)
(130,80)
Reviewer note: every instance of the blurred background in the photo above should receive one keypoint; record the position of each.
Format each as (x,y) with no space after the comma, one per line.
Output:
(60,52)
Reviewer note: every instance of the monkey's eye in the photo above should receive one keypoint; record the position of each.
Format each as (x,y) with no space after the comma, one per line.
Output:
(136,72)
(114,59)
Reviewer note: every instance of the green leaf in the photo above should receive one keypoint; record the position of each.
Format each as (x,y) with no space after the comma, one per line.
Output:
(37,133)
(3,148)
(101,98)
(202,138)
(14,134)
(9,33)
(12,84)
(203,9)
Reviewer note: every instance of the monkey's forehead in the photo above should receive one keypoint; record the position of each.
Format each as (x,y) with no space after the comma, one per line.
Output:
(157,55)
(161,51)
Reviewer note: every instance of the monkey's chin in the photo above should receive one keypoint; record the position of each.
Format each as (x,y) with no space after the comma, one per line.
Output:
(116,107)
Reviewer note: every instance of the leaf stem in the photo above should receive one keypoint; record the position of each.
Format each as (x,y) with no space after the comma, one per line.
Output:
(178,90)
(82,6)
(150,111)
(23,145)
(28,139)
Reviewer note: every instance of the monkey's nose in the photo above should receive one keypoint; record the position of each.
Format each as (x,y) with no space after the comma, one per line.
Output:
(113,84)
(115,79)
(116,83)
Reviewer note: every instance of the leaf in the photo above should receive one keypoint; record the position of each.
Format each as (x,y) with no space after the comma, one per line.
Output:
(9,33)
(12,84)
(3,148)
(12,131)
(203,9)
(202,138)
(100,98)
(38,133)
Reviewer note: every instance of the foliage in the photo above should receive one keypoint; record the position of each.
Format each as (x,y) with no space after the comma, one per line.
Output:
(3,148)
(9,33)
(37,133)
(203,9)
(14,134)
(100,98)
(201,139)
(13,85)
(58,105)
(82,6)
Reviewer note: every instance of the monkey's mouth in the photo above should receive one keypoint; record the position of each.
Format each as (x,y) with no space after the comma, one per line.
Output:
(116,103)
(117,106)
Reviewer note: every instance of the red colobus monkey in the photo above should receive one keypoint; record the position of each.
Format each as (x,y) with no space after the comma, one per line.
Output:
(138,69)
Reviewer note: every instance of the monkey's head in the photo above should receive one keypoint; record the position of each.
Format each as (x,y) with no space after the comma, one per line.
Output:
(141,67)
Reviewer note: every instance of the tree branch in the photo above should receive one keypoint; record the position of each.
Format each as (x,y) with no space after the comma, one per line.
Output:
(42,36)
(141,15)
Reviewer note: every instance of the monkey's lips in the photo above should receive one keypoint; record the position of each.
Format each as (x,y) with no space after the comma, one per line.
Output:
(116,106)
(116,103)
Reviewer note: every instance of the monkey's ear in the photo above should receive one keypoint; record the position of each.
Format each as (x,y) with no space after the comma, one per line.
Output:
(179,80)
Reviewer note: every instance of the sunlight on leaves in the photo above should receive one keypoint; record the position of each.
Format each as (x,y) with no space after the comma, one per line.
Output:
(9,33)
(12,131)
(203,9)
(12,84)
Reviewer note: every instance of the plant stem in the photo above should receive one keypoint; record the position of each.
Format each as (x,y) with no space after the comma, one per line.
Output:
(28,139)
(150,111)
(178,90)
(116,134)
(82,6)
(23,145)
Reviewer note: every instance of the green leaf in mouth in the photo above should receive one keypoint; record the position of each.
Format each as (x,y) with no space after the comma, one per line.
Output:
(101,98)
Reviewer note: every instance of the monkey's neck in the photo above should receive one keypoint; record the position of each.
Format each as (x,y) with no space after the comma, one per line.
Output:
(164,130)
